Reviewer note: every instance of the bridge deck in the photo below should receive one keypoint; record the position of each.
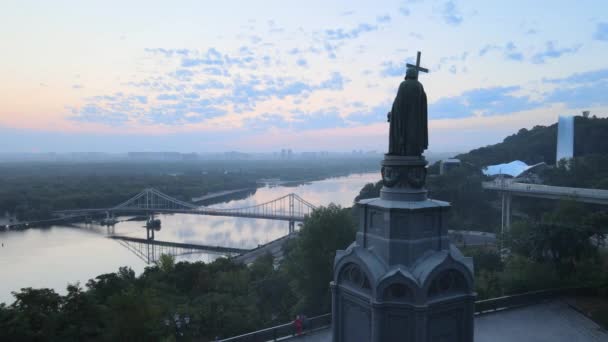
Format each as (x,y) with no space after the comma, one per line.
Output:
(597,196)
(181,245)
(209,212)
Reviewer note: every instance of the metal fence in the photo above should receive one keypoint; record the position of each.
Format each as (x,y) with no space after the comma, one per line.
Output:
(283,331)
(287,331)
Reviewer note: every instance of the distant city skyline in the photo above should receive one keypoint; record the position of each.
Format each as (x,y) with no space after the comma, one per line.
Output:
(187,76)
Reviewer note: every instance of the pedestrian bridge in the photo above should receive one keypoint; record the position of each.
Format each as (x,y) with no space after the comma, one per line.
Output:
(290,207)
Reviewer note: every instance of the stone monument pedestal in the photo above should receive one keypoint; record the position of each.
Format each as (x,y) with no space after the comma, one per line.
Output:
(402,280)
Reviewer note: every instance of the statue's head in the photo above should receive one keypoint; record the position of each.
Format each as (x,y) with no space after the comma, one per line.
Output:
(411,73)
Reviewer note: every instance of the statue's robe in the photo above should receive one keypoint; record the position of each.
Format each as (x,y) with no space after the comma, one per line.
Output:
(408,118)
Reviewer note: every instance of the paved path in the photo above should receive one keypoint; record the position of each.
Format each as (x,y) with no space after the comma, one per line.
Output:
(274,247)
(554,321)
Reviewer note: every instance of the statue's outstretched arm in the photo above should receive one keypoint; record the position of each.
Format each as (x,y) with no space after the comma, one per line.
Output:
(388,117)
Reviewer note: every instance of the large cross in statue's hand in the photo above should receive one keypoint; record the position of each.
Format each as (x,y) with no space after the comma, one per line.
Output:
(417,66)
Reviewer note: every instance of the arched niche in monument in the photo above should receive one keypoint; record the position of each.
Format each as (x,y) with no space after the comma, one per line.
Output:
(397,292)
(397,288)
(449,277)
(447,283)
(354,277)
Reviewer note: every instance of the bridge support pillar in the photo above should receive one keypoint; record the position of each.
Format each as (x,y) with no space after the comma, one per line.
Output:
(505,225)
(292,227)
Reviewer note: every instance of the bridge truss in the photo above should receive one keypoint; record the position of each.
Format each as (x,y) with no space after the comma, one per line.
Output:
(291,207)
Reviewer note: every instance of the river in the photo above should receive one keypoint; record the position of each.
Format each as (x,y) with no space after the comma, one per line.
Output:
(55,256)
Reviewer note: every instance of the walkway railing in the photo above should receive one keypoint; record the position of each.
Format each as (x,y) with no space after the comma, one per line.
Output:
(286,331)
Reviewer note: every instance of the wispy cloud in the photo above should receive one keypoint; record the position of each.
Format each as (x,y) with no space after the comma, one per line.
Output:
(551,51)
(582,77)
(512,53)
(580,90)
(343,34)
(451,14)
(486,102)
(601,32)
(383,19)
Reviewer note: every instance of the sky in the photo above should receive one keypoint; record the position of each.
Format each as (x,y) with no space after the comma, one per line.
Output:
(260,76)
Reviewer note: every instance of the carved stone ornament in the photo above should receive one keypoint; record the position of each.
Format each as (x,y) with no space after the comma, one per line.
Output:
(410,176)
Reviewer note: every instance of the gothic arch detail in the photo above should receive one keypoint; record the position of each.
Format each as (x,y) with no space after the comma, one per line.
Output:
(353,275)
(448,282)
(397,292)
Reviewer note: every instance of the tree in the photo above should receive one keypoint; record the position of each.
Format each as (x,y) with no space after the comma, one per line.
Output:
(309,264)
(35,314)
(166,263)
(82,318)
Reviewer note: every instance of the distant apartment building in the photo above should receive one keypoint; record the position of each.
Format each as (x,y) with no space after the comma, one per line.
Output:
(565,138)
(161,156)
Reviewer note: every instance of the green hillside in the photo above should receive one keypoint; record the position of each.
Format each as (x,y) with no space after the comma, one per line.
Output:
(539,144)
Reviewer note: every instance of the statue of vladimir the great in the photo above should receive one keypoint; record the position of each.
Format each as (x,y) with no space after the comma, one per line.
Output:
(408,118)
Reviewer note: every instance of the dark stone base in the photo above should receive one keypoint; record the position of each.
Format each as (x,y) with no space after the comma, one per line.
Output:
(403,178)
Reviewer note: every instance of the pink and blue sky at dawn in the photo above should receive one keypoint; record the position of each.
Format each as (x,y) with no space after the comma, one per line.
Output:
(202,76)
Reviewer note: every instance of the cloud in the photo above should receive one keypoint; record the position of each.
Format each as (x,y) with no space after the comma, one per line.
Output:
(531,31)
(583,96)
(511,53)
(583,77)
(95,113)
(210,84)
(484,50)
(450,108)
(601,32)
(373,115)
(391,69)
(212,58)
(168,52)
(580,90)
(383,19)
(302,62)
(328,118)
(342,34)
(167,97)
(77,86)
(215,71)
(335,82)
(182,74)
(265,121)
(299,120)
(450,13)
(141,99)
(552,52)
(404,11)
(191,96)
(487,102)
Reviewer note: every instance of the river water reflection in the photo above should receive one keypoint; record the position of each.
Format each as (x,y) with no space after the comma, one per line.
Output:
(54,256)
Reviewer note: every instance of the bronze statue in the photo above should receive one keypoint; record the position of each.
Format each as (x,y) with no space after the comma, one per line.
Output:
(408,117)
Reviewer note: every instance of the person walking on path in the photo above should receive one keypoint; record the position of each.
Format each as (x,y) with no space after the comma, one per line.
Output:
(297,323)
